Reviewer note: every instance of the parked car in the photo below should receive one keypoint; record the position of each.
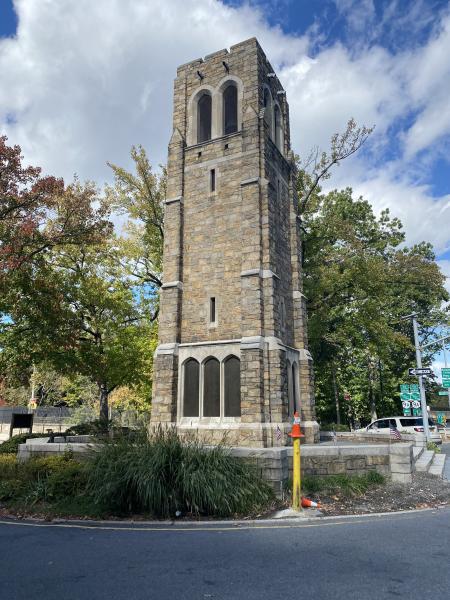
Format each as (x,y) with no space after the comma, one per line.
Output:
(412,425)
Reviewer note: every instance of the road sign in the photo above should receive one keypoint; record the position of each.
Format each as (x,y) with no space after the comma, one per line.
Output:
(441,418)
(414,387)
(415,404)
(445,377)
(424,371)
(404,387)
(406,404)
(443,393)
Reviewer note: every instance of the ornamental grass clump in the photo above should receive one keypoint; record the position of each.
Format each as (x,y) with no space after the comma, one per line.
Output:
(163,474)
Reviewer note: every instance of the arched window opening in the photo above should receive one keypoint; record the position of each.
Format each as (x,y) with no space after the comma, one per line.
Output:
(232,371)
(278,128)
(191,388)
(204,112)
(268,109)
(230,109)
(211,388)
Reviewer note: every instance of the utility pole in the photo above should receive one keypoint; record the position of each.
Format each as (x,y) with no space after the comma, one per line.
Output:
(423,401)
(445,362)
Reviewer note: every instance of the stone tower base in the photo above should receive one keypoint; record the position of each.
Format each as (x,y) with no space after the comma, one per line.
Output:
(252,435)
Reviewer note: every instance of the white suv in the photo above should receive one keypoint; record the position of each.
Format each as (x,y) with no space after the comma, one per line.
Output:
(406,425)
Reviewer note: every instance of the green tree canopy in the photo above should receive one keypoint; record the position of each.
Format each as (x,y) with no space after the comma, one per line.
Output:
(360,279)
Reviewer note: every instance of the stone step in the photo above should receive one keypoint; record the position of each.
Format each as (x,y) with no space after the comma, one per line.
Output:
(437,466)
(417,452)
(425,460)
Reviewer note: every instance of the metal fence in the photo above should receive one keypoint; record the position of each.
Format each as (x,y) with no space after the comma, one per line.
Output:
(60,418)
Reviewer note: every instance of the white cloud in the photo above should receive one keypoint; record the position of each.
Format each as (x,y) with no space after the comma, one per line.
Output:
(84,80)
(325,91)
(424,218)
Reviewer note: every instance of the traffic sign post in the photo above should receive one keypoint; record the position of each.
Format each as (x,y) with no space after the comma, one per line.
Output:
(423,401)
(446,373)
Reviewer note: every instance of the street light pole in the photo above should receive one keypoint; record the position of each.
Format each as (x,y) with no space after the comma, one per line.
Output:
(423,401)
(445,362)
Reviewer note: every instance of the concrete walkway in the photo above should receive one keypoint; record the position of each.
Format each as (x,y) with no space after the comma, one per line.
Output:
(446,450)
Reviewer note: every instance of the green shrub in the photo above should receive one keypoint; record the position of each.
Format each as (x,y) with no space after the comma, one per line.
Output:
(10,489)
(99,426)
(354,485)
(8,466)
(11,446)
(434,447)
(51,478)
(165,474)
(334,427)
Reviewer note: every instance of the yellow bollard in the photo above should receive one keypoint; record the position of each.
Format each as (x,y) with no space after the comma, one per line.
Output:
(296,434)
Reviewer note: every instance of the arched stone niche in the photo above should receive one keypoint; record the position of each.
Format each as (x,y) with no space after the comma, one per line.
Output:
(217,108)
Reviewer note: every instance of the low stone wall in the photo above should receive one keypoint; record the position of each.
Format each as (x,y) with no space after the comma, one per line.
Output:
(362,437)
(40,447)
(343,460)
(394,461)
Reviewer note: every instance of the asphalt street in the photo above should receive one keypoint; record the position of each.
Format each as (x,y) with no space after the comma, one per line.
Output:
(363,558)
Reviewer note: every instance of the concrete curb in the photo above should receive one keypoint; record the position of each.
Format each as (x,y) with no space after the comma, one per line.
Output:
(155,525)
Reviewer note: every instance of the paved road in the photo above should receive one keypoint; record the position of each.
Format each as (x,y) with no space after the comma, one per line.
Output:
(363,559)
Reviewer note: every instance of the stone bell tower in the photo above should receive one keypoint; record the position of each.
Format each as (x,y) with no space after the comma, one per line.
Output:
(232,354)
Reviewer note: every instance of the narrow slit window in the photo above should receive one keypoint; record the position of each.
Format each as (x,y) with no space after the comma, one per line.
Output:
(212,180)
(212,310)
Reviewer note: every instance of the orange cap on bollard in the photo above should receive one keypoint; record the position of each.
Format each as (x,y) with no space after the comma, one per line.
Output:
(296,431)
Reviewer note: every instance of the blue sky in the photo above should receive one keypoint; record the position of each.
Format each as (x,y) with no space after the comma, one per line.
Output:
(81,81)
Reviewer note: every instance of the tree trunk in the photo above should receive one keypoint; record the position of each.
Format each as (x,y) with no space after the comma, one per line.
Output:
(336,394)
(380,375)
(104,409)
(373,406)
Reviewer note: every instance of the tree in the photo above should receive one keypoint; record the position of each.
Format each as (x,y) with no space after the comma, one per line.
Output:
(79,312)
(140,197)
(317,166)
(38,213)
(359,280)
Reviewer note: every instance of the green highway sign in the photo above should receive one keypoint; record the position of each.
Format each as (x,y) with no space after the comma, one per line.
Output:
(445,377)
(443,393)
(407,396)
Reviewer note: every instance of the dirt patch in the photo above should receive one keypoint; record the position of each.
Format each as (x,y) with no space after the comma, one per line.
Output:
(425,491)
